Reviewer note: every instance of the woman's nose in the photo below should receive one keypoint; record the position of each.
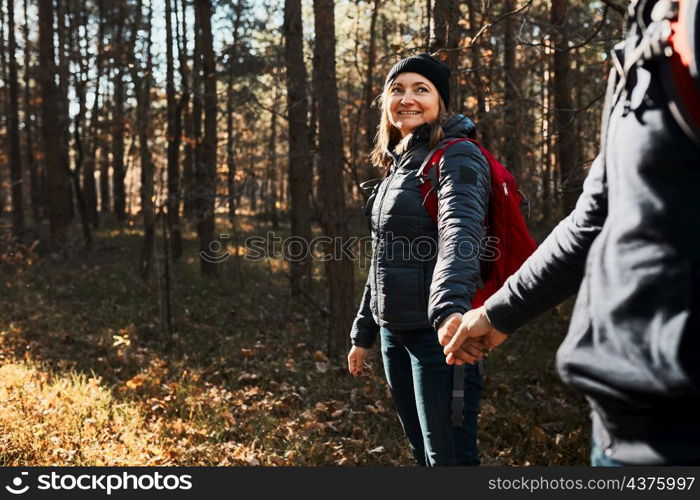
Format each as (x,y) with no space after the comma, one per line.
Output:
(407,98)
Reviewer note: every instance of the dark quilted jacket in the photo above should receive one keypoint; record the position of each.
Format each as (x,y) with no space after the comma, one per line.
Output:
(417,278)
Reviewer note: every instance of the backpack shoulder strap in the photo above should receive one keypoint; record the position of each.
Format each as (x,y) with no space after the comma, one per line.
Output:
(428,176)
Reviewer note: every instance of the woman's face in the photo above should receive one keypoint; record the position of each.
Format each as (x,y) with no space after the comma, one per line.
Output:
(412,100)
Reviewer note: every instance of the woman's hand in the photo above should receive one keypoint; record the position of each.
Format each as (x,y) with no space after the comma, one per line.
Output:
(475,333)
(357,360)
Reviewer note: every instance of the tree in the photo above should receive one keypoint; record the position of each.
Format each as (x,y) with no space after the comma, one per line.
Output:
(35,186)
(58,182)
(512,153)
(205,173)
(141,76)
(174,132)
(445,37)
(570,172)
(13,133)
(118,112)
(339,270)
(299,145)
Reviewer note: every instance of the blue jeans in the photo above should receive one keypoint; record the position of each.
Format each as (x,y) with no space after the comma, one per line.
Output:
(421,387)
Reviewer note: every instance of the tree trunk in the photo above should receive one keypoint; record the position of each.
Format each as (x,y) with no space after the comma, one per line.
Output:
(89,186)
(445,37)
(35,187)
(174,132)
(370,112)
(570,172)
(230,132)
(272,163)
(512,151)
(118,118)
(478,76)
(13,132)
(77,57)
(339,270)
(206,163)
(62,15)
(194,126)
(142,84)
(58,183)
(300,165)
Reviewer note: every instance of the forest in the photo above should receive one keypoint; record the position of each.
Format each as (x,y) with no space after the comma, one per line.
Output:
(148,147)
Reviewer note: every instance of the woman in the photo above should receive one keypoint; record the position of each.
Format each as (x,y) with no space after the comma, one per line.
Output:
(421,279)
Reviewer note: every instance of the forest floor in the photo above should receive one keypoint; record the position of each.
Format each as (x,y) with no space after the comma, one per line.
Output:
(90,376)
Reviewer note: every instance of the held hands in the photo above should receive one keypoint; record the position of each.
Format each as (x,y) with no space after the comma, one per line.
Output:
(468,338)
(357,361)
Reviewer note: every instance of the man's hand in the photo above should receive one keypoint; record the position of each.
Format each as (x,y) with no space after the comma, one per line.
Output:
(474,337)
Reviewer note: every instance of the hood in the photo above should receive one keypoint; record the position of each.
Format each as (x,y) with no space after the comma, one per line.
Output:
(459,126)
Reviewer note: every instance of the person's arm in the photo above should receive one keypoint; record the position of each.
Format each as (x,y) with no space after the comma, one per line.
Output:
(555,270)
(462,199)
(364,328)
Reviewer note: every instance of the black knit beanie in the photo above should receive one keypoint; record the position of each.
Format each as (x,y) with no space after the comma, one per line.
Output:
(429,67)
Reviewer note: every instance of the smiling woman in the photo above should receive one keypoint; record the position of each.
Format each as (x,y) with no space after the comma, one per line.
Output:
(407,299)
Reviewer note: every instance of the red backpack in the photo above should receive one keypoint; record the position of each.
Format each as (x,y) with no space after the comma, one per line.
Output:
(505,224)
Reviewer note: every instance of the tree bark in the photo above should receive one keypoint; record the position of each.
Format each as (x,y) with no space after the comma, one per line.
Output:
(118,117)
(339,270)
(89,186)
(142,84)
(300,165)
(35,186)
(58,183)
(445,37)
(570,173)
(13,132)
(370,112)
(206,162)
(174,132)
(512,150)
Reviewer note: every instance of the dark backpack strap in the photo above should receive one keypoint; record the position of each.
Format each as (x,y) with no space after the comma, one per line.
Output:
(458,396)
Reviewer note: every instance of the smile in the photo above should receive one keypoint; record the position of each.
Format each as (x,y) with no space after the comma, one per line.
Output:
(409,112)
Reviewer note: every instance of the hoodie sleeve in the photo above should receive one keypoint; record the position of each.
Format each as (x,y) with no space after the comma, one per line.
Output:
(555,270)
(462,201)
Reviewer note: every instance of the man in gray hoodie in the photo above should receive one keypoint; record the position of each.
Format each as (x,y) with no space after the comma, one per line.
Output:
(631,248)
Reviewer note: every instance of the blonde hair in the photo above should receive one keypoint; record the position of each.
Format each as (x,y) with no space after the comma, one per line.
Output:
(388,136)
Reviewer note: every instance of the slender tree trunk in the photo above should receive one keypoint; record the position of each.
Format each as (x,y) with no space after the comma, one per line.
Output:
(3,101)
(35,188)
(445,37)
(118,118)
(206,163)
(563,112)
(63,37)
(80,85)
(142,83)
(174,134)
(339,270)
(478,75)
(299,145)
(105,135)
(272,164)
(89,186)
(58,183)
(512,150)
(194,131)
(370,112)
(230,131)
(13,133)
